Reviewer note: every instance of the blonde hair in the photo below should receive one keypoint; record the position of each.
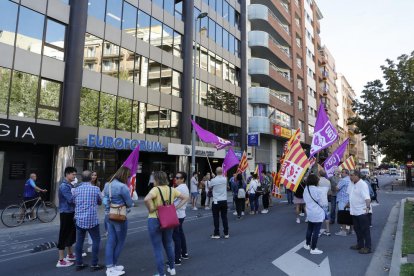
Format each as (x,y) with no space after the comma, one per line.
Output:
(160,178)
(122,175)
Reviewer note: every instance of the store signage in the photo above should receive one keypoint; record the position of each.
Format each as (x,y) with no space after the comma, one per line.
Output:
(27,132)
(119,143)
(253,139)
(185,150)
(281,131)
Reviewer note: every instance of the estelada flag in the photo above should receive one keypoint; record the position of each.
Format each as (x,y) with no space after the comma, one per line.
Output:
(294,166)
(348,164)
(243,164)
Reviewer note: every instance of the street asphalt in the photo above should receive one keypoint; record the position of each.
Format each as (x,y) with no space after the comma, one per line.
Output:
(255,242)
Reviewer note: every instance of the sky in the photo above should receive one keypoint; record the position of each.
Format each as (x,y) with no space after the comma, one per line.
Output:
(362,34)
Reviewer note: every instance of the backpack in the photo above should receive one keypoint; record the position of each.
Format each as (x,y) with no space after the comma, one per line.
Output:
(241,192)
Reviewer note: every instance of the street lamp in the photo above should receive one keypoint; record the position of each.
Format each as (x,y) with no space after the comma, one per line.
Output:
(193,167)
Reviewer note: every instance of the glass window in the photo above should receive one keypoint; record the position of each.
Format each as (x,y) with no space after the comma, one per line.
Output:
(143,27)
(219,7)
(237,19)
(55,40)
(225,39)
(166,80)
(226,10)
(129,19)
(23,96)
(175,124)
(237,47)
(232,73)
(169,6)
(204,59)
(156,32)
(212,62)
(260,110)
(154,75)
(176,84)
(92,52)
(203,93)
(142,118)
(211,96)
(141,71)
(177,44)
(8,19)
(30,30)
(219,35)
(212,4)
(203,26)
(219,66)
(96,8)
(126,68)
(134,115)
(89,102)
(152,119)
(165,122)
(110,59)
(231,44)
(179,10)
(123,111)
(107,111)
(49,103)
(114,13)
(158,3)
(138,117)
(226,70)
(211,29)
(167,39)
(4,89)
(231,16)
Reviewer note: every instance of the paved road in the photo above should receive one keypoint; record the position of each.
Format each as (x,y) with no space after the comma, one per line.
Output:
(255,242)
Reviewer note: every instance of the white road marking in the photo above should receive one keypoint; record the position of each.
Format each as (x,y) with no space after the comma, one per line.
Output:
(21,242)
(295,265)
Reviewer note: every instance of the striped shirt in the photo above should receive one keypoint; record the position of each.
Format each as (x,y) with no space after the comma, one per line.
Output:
(87,198)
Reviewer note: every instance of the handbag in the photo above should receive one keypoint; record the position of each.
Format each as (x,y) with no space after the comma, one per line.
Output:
(241,192)
(117,212)
(344,217)
(167,214)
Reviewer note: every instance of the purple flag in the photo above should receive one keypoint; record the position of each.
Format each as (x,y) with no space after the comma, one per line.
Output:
(211,138)
(230,161)
(132,161)
(333,161)
(325,133)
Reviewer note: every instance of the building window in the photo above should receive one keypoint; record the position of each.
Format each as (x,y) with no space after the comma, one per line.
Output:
(177,44)
(55,40)
(8,18)
(143,27)
(123,111)
(175,124)
(30,30)
(107,111)
(176,84)
(49,101)
(300,104)
(129,19)
(260,110)
(156,32)
(152,119)
(96,8)
(126,68)
(89,104)
(23,96)
(211,29)
(114,13)
(4,88)
(301,125)
(166,80)
(168,39)
(154,75)
(92,53)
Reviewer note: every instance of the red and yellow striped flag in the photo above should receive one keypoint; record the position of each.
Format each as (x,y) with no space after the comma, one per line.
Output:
(348,164)
(294,166)
(276,186)
(243,164)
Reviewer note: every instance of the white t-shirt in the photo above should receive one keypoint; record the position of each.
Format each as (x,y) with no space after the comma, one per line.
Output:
(253,186)
(194,185)
(358,193)
(183,189)
(219,185)
(314,212)
(324,187)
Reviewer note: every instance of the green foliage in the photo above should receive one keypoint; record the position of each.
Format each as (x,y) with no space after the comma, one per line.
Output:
(386,112)
(407,270)
(407,246)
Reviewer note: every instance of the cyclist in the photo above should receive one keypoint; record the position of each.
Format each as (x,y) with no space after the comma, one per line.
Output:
(30,192)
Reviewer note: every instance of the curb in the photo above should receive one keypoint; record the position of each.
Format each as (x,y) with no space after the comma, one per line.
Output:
(397,254)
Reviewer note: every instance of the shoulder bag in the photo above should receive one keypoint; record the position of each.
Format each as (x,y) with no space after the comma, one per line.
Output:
(167,214)
(325,211)
(241,192)
(117,212)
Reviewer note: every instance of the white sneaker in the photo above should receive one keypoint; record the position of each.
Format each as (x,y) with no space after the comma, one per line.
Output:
(235,213)
(307,247)
(207,208)
(195,209)
(171,271)
(110,271)
(118,268)
(316,251)
(264,211)
(302,214)
(242,213)
(341,233)
(63,263)
(89,250)
(306,220)
(297,220)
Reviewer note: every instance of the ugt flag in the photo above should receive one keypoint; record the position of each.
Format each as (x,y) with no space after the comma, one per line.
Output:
(230,161)
(325,133)
(132,161)
(333,161)
(211,138)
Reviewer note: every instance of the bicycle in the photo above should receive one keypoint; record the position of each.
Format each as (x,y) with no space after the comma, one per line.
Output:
(14,215)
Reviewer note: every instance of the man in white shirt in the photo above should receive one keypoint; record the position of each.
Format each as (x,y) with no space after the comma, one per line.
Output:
(194,190)
(219,185)
(180,243)
(360,205)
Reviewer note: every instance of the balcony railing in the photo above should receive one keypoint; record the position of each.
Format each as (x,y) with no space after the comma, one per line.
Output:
(285,49)
(285,6)
(282,97)
(283,25)
(281,71)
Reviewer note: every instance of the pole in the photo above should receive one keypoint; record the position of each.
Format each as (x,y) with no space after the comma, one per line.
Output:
(193,138)
(208,160)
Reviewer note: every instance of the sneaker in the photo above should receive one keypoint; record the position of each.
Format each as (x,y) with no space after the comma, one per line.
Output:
(195,209)
(302,214)
(297,220)
(316,251)
(341,233)
(235,213)
(306,246)
(251,213)
(355,247)
(364,250)
(63,263)
(207,208)
(326,233)
(97,267)
(242,213)
(71,257)
(118,267)
(84,254)
(81,266)
(185,256)
(264,211)
(171,271)
(89,250)
(227,236)
(215,237)
(177,262)
(111,271)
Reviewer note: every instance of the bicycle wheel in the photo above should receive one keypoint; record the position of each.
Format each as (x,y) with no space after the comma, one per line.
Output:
(46,211)
(13,215)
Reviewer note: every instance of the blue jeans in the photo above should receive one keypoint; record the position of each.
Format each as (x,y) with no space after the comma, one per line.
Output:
(254,202)
(289,195)
(160,238)
(180,244)
(312,233)
(117,232)
(80,238)
(333,209)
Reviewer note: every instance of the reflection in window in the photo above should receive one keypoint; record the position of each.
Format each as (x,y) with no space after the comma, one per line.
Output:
(107,109)
(169,6)
(154,75)
(175,124)
(55,40)
(166,80)
(219,7)
(114,13)
(219,66)
(143,26)
(30,30)
(142,113)
(177,44)
(23,95)
(167,39)
(204,59)
(152,119)
(8,15)
(141,71)
(203,93)
(225,39)
(96,8)
(110,59)
(231,16)
(49,103)
(89,102)
(231,44)
(92,52)
(165,121)
(226,71)
(176,84)
(179,10)
(126,68)
(129,19)
(226,11)
(212,63)
(156,32)
(123,120)
(211,29)
(219,35)
(4,89)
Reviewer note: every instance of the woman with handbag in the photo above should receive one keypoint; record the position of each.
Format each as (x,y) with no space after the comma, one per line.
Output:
(162,219)
(315,213)
(117,199)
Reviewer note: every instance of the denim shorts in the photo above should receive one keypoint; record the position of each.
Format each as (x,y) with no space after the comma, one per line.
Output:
(195,194)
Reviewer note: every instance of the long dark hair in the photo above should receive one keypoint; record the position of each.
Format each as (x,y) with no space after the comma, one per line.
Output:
(239,178)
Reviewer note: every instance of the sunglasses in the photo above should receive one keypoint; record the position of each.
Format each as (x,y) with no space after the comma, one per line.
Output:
(178,177)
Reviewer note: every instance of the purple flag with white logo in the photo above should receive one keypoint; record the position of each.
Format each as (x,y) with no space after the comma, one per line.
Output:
(132,161)
(230,161)
(333,161)
(325,133)
(211,138)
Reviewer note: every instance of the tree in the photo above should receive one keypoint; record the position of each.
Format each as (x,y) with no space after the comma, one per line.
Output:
(386,112)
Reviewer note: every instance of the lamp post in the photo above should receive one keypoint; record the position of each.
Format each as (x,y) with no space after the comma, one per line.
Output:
(193,138)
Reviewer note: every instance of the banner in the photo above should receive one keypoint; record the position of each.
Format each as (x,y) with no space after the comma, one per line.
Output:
(230,161)
(325,133)
(333,161)
(348,164)
(243,164)
(132,161)
(208,137)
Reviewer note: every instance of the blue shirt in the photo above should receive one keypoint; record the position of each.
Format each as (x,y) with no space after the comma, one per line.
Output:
(120,194)
(29,188)
(86,198)
(66,203)
(342,195)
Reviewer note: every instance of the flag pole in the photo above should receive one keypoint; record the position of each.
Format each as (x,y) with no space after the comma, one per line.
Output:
(208,160)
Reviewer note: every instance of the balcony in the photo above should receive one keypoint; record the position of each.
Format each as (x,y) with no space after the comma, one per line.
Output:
(325,74)
(259,124)
(259,95)
(263,71)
